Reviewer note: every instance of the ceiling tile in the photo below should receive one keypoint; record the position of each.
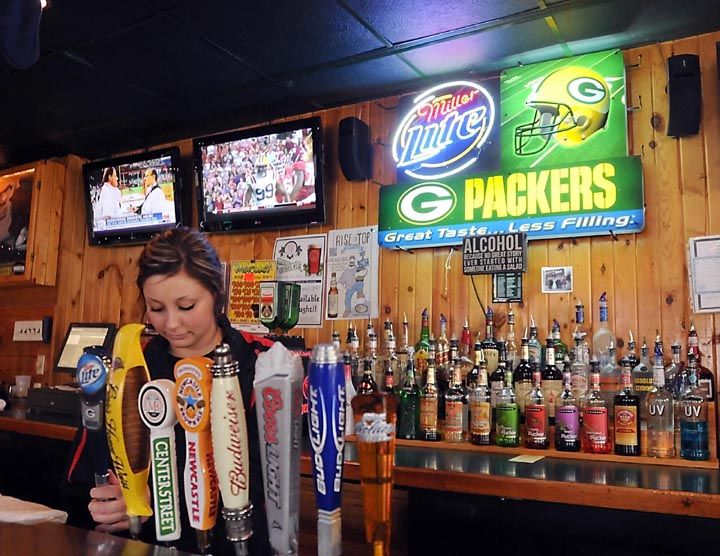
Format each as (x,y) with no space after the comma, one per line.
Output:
(403,20)
(166,60)
(275,39)
(488,51)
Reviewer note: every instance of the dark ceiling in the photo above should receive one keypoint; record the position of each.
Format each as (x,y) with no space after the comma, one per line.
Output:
(114,76)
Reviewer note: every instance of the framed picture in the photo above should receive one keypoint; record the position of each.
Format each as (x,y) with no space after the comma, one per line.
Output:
(556,279)
(507,287)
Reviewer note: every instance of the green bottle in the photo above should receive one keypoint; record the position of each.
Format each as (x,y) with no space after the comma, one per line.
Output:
(507,424)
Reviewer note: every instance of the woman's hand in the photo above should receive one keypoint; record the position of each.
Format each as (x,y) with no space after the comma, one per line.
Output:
(107,507)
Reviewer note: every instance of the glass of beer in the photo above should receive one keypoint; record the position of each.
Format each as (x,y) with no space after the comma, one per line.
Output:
(375,423)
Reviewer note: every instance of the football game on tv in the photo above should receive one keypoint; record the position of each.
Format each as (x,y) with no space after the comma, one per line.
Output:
(266,176)
(131,198)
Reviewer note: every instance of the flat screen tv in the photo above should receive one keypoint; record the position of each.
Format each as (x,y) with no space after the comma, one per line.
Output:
(129,199)
(262,177)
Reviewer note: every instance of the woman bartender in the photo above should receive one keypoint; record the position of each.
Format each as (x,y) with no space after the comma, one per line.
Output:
(181,281)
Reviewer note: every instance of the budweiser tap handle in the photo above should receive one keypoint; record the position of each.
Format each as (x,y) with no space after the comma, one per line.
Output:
(156,410)
(128,439)
(230,444)
(326,416)
(92,374)
(192,407)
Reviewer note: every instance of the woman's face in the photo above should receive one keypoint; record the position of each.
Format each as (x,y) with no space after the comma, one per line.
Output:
(181,310)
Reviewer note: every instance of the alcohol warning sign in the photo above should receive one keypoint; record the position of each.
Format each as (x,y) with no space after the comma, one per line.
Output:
(495,253)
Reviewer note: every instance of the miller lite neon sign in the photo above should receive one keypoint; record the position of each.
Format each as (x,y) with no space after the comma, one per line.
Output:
(445,131)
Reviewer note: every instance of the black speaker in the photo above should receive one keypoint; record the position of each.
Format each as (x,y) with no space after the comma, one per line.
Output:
(354,149)
(685,95)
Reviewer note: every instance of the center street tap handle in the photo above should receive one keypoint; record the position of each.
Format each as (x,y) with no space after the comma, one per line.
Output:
(157,412)
(92,375)
(230,444)
(128,439)
(192,407)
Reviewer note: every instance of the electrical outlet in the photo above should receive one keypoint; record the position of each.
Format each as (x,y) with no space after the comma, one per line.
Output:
(28,331)
(40,365)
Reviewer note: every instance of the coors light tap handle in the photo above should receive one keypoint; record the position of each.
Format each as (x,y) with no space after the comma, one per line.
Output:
(92,374)
(230,443)
(278,391)
(326,423)
(192,407)
(157,412)
(127,437)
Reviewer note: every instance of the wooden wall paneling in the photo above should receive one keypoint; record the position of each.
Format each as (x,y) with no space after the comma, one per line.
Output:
(381,121)
(624,280)
(579,259)
(52,181)
(601,273)
(647,261)
(670,206)
(458,292)
(559,303)
(537,302)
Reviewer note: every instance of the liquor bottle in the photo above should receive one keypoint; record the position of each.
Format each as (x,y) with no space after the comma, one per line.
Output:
(603,337)
(536,417)
(422,347)
(512,349)
(610,377)
(389,378)
(534,343)
(336,341)
(551,381)
(507,422)
(372,355)
(456,408)
(706,381)
(694,444)
(490,350)
(660,413)
(642,374)
(558,344)
(388,335)
(332,308)
(369,331)
(353,341)
(480,411)
(496,379)
(596,438)
(676,375)
(409,413)
(580,368)
(627,416)
(429,428)
(522,377)
(632,354)
(367,384)
(442,346)
(567,417)
(465,340)
(349,393)
(407,351)
(579,312)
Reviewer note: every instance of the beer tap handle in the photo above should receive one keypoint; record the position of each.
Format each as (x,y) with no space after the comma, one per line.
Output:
(192,407)
(128,439)
(156,410)
(230,444)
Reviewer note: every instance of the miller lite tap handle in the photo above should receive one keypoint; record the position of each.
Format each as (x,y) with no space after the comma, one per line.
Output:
(128,439)
(157,412)
(192,407)
(92,374)
(230,445)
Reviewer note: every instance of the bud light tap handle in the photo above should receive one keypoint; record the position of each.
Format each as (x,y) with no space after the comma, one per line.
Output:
(230,444)
(326,421)
(157,412)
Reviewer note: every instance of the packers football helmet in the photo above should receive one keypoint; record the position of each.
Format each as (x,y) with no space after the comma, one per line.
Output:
(570,105)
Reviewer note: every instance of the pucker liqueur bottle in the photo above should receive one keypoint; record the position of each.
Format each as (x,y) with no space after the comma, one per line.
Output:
(536,417)
(567,417)
(507,425)
(627,416)
(595,436)
(522,377)
(429,429)
(551,380)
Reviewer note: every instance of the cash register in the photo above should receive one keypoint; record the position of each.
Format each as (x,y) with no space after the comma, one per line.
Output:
(64,401)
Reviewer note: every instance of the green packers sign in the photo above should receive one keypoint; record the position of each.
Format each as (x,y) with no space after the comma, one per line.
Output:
(592,198)
(562,171)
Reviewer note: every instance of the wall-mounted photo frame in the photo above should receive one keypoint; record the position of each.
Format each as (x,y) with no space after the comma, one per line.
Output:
(556,279)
